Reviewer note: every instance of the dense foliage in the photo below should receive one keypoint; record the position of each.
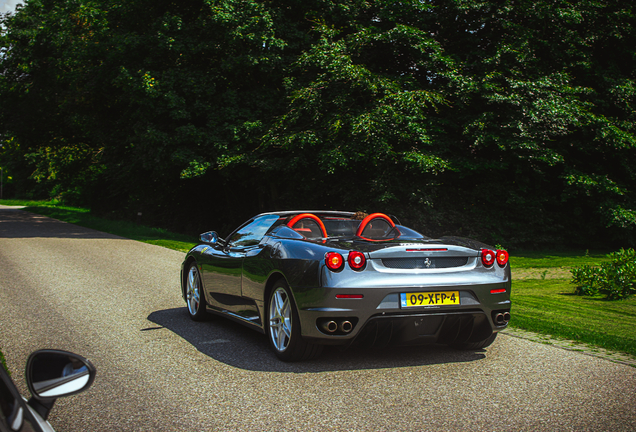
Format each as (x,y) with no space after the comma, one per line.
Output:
(510,120)
(616,278)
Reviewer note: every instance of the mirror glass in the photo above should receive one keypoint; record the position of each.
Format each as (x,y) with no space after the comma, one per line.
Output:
(209,237)
(55,374)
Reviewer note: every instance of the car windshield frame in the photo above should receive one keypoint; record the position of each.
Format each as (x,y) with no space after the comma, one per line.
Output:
(252,232)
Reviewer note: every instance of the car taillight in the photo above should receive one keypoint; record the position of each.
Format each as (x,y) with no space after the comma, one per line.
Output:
(502,258)
(487,257)
(334,261)
(356,260)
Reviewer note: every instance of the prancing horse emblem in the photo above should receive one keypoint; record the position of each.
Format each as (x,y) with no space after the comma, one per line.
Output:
(427,262)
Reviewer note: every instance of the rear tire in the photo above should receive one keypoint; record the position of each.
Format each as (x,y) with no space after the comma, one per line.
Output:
(476,345)
(283,327)
(195,299)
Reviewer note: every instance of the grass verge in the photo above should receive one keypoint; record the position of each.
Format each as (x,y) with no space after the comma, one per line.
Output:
(566,259)
(550,307)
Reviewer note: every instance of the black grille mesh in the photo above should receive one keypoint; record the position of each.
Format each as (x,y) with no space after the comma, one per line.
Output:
(424,263)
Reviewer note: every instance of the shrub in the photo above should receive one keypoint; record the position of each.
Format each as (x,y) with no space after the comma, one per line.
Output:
(616,278)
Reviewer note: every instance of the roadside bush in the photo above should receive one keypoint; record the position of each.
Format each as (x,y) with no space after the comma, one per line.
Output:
(616,278)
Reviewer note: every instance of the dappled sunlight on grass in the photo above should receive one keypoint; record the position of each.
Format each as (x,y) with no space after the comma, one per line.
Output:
(550,307)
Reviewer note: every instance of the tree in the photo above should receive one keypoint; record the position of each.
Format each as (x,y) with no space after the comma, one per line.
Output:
(508,120)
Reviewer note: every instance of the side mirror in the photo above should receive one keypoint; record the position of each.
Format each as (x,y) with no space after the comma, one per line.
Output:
(210,237)
(51,374)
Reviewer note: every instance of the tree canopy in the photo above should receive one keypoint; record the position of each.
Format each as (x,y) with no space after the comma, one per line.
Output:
(510,120)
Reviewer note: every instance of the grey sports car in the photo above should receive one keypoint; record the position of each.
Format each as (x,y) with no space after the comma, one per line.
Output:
(309,279)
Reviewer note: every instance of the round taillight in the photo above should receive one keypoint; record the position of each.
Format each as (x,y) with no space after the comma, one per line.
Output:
(334,260)
(487,257)
(356,260)
(502,258)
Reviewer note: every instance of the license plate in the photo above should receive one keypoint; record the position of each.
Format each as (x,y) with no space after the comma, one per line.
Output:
(429,299)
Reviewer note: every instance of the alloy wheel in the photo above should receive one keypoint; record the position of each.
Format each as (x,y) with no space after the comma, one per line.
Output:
(193,291)
(280,319)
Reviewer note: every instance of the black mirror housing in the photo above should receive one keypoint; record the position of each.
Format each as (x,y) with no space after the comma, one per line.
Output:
(51,374)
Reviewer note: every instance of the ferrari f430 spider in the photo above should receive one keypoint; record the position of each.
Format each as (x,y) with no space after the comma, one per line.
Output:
(309,279)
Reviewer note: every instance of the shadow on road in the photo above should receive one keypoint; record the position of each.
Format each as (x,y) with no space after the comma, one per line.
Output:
(241,347)
(16,223)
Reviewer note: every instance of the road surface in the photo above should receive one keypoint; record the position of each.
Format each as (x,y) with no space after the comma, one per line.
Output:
(117,302)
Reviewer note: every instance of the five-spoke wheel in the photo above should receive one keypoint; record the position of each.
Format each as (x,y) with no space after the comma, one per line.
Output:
(194,295)
(283,327)
(280,319)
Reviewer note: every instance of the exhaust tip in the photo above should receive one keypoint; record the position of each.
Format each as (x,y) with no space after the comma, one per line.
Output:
(346,326)
(506,317)
(499,319)
(329,326)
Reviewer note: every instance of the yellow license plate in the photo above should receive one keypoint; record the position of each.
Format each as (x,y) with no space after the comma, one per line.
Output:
(429,299)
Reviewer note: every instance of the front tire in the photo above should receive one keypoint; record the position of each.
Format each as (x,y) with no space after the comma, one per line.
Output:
(195,299)
(283,327)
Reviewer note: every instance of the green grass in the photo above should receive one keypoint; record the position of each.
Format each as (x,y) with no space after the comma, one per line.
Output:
(82,217)
(557,259)
(550,307)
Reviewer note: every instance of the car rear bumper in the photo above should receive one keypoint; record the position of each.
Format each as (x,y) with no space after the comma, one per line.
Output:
(419,329)
(448,328)
(379,319)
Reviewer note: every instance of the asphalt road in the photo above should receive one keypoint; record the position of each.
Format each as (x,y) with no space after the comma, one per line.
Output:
(117,302)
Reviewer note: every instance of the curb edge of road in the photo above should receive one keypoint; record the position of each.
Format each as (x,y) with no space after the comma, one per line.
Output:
(570,345)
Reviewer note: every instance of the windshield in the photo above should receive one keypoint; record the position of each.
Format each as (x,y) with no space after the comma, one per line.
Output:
(252,233)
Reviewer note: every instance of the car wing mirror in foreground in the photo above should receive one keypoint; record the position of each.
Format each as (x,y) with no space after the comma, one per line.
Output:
(51,374)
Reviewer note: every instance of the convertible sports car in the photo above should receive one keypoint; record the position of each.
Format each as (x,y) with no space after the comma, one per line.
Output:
(308,279)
